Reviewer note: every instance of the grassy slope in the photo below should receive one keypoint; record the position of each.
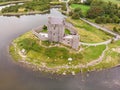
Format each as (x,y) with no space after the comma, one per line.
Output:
(111,58)
(84,8)
(88,33)
(110,26)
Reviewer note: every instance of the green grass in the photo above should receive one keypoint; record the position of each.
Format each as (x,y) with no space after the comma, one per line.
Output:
(111,58)
(88,33)
(44,30)
(67,32)
(46,43)
(55,3)
(93,53)
(14,54)
(84,8)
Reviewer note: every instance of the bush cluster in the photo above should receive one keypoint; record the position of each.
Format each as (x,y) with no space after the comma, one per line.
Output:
(76,13)
(115,29)
(104,12)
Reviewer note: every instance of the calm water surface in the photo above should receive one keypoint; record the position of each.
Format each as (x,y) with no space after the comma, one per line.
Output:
(15,77)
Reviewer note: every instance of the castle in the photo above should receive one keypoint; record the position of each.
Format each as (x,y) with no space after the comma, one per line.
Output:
(56,29)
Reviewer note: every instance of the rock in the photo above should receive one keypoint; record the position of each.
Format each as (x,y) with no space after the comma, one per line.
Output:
(73,73)
(87,75)
(69,63)
(23,50)
(64,73)
(70,59)
(113,49)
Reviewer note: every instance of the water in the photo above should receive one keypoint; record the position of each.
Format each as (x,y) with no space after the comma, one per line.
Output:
(16,77)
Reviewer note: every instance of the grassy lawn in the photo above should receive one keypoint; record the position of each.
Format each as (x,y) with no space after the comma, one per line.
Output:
(44,30)
(111,59)
(55,3)
(110,26)
(84,8)
(67,32)
(88,33)
(92,53)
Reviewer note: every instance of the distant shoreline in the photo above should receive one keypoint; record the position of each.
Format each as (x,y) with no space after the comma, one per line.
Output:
(11,2)
(25,13)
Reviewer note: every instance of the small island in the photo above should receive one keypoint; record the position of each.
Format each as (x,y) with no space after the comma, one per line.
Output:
(59,48)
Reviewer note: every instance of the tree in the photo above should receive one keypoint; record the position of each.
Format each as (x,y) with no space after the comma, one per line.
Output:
(64,8)
(98,20)
(75,16)
(115,19)
(95,11)
(76,13)
(115,29)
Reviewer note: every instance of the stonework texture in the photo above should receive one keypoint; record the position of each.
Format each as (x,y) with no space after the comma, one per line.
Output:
(56,32)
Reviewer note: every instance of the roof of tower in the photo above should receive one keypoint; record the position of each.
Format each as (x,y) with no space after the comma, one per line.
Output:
(56,20)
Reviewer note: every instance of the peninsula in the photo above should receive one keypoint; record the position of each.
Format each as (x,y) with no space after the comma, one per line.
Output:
(70,45)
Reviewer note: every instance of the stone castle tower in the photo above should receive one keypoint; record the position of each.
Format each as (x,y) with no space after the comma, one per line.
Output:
(55,29)
(56,32)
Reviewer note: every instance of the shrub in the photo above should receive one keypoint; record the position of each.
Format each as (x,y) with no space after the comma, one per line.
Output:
(64,8)
(29,44)
(57,52)
(75,16)
(44,27)
(115,29)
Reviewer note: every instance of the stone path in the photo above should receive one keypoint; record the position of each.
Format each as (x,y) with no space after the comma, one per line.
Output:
(96,44)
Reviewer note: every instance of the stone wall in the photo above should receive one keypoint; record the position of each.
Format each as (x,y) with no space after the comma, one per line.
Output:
(67,41)
(37,32)
(73,41)
(56,33)
(70,27)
